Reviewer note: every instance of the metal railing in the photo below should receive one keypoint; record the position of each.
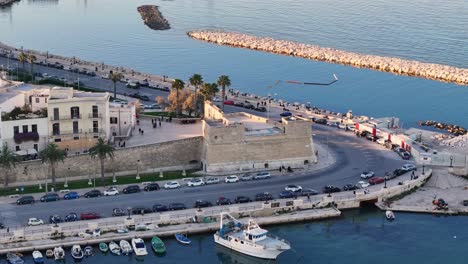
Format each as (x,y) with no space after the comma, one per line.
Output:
(95,115)
(66,117)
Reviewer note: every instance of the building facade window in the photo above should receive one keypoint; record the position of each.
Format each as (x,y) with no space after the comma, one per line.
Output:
(113,120)
(58,140)
(37,100)
(75,112)
(95,111)
(36,147)
(75,127)
(56,129)
(25,129)
(16,130)
(56,114)
(34,128)
(95,127)
(45,100)
(18,148)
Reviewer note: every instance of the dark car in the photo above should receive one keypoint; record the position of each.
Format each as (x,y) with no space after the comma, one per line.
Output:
(239,104)
(287,194)
(160,208)
(350,187)
(286,114)
(309,192)
(25,200)
(55,219)
(151,187)
(321,121)
(202,204)
(141,209)
(223,201)
(118,212)
(71,217)
(2,225)
(465,202)
(177,206)
(261,109)
(376,180)
(265,196)
(89,216)
(131,189)
(242,199)
(71,196)
(93,194)
(50,197)
(331,189)
(399,172)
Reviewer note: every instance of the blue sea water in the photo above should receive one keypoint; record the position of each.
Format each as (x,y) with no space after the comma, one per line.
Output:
(113,32)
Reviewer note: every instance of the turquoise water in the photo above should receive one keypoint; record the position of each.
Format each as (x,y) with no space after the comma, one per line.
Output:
(112,31)
(358,237)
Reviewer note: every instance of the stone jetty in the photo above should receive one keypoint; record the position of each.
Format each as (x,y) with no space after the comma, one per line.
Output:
(386,64)
(153,17)
(7,2)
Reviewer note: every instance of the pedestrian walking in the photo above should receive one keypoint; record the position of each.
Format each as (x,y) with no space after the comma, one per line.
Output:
(159,122)
(308,197)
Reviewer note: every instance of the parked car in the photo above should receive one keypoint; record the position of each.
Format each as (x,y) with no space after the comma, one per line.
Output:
(93,194)
(151,187)
(33,221)
(212,180)
(89,216)
(287,194)
(2,225)
(50,197)
(118,212)
(321,121)
(71,196)
(367,174)
(264,196)
(242,199)
(177,206)
(330,189)
(376,180)
(131,189)
(160,208)
(362,184)
(231,179)
(465,202)
(141,210)
(408,167)
(223,201)
(286,114)
(229,102)
(239,104)
(112,191)
(405,155)
(133,84)
(399,172)
(195,182)
(293,188)
(261,109)
(202,204)
(172,185)
(55,219)
(71,217)
(246,177)
(25,200)
(262,175)
(308,191)
(350,187)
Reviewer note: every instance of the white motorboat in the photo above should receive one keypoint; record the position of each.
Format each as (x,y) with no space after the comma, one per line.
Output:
(77,253)
(125,247)
(49,253)
(390,215)
(139,247)
(114,248)
(88,251)
(249,239)
(37,257)
(59,253)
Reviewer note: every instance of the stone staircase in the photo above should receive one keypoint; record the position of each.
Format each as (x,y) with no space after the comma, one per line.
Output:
(444,180)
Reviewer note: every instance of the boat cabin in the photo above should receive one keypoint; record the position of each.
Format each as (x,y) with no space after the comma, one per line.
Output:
(255,235)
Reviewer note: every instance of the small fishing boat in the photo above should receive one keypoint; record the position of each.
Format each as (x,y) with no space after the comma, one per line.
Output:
(122,231)
(59,253)
(125,247)
(103,247)
(114,248)
(88,251)
(37,257)
(139,247)
(183,239)
(158,245)
(14,258)
(49,253)
(390,215)
(77,253)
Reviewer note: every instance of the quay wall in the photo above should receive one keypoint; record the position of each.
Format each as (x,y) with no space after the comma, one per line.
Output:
(172,155)
(397,66)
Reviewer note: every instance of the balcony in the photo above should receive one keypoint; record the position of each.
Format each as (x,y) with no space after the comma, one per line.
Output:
(96,131)
(61,118)
(95,115)
(67,133)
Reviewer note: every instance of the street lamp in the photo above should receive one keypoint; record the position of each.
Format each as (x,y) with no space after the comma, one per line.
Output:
(129,212)
(66,179)
(451,161)
(385,182)
(138,170)
(423,170)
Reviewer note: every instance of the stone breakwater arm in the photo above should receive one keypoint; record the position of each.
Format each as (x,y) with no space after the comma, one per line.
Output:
(7,2)
(153,17)
(387,64)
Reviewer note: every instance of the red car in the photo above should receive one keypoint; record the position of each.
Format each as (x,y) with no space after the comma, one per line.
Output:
(89,216)
(229,102)
(376,180)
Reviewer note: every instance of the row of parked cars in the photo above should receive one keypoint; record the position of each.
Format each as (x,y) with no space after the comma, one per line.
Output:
(246,104)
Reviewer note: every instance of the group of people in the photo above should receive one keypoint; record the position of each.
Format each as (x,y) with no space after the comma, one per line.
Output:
(155,122)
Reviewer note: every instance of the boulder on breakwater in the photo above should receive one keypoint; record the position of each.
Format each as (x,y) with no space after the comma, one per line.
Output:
(153,17)
(398,66)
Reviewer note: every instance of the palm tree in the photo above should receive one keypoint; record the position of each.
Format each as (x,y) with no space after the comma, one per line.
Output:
(178,85)
(115,77)
(52,155)
(7,161)
(208,90)
(196,80)
(31,60)
(223,81)
(101,150)
(23,58)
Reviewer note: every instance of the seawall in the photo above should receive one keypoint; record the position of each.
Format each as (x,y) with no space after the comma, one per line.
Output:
(397,66)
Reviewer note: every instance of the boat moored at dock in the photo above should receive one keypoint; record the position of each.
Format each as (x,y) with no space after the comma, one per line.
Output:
(158,245)
(37,257)
(139,247)
(125,247)
(14,258)
(59,253)
(77,253)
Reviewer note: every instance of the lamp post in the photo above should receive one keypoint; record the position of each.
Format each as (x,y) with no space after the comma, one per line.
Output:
(138,170)
(423,170)
(65,185)
(451,161)
(385,182)
(129,212)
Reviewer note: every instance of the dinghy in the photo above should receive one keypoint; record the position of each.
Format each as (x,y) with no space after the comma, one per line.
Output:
(14,258)
(125,247)
(77,253)
(49,253)
(158,245)
(103,247)
(114,248)
(183,239)
(88,251)
(59,253)
(37,257)
(390,215)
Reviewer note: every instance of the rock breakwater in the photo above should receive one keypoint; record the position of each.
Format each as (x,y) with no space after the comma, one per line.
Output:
(386,64)
(7,2)
(153,18)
